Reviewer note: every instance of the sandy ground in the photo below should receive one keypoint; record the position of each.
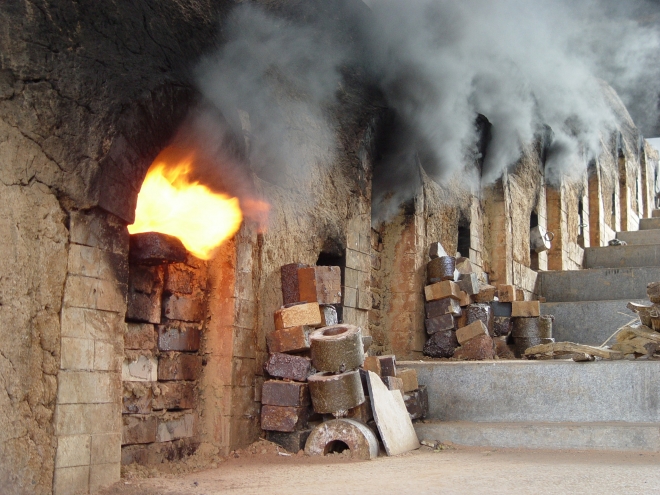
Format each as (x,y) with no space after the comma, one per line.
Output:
(452,471)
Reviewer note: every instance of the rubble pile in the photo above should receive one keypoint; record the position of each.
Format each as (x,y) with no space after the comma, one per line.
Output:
(321,395)
(469,319)
(641,339)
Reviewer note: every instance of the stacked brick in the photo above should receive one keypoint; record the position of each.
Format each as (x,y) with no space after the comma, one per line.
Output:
(467,319)
(164,320)
(312,299)
(415,395)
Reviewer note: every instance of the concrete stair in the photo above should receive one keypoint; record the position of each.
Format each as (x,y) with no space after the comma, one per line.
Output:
(640,237)
(542,404)
(622,256)
(649,223)
(560,404)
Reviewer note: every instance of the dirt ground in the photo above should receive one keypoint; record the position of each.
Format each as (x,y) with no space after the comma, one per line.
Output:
(453,470)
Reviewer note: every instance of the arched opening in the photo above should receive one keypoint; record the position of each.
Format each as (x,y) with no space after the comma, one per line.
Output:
(463,243)
(335,447)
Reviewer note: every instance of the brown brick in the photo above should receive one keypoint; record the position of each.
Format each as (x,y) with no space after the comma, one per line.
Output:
(441,290)
(157,453)
(145,290)
(465,299)
(138,429)
(174,395)
(469,283)
(393,383)
(387,365)
(181,279)
(409,378)
(320,284)
(440,324)
(441,344)
(372,363)
(362,413)
(281,393)
(294,339)
(289,367)
(175,426)
(183,308)
(136,397)
(477,348)
(506,293)
(139,336)
(474,329)
(481,312)
(502,350)
(175,336)
(520,295)
(289,277)
(154,248)
(179,367)
(279,418)
(293,441)
(486,294)
(300,314)
(525,309)
(502,325)
(417,402)
(441,307)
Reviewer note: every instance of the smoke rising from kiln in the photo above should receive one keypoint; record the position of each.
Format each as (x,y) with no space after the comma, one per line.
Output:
(440,63)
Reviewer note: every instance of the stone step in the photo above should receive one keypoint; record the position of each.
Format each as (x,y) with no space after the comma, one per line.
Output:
(655,213)
(649,223)
(597,436)
(622,256)
(597,284)
(541,391)
(588,322)
(640,237)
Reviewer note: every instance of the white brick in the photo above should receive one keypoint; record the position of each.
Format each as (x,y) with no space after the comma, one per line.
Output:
(174,429)
(144,369)
(71,481)
(88,387)
(73,451)
(74,419)
(107,356)
(106,448)
(103,475)
(76,354)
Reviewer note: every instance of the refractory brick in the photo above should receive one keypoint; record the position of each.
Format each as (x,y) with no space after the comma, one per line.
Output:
(179,367)
(289,278)
(290,367)
(294,339)
(282,393)
(442,307)
(474,329)
(298,315)
(179,337)
(320,283)
(285,419)
(442,290)
(440,324)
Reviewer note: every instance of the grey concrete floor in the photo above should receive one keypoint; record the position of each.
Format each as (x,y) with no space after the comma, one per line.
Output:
(454,471)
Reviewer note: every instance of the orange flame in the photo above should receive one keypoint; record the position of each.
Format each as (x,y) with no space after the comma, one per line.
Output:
(170,203)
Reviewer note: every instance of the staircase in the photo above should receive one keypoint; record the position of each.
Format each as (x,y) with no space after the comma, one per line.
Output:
(590,304)
(560,404)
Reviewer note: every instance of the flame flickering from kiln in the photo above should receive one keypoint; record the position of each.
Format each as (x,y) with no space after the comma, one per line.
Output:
(171,203)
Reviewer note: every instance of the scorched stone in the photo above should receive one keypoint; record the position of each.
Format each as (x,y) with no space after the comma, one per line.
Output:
(441,344)
(153,248)
(295,368)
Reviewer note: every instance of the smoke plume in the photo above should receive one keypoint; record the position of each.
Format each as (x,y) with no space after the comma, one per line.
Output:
(439,64)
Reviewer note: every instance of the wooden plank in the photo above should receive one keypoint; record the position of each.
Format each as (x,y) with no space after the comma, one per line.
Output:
(570,347)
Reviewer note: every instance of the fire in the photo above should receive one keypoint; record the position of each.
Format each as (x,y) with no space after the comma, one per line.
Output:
(170,203)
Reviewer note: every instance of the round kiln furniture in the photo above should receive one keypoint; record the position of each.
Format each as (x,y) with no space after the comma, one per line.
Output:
(337,348)
(359,439)
(335,393)
(441,268)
